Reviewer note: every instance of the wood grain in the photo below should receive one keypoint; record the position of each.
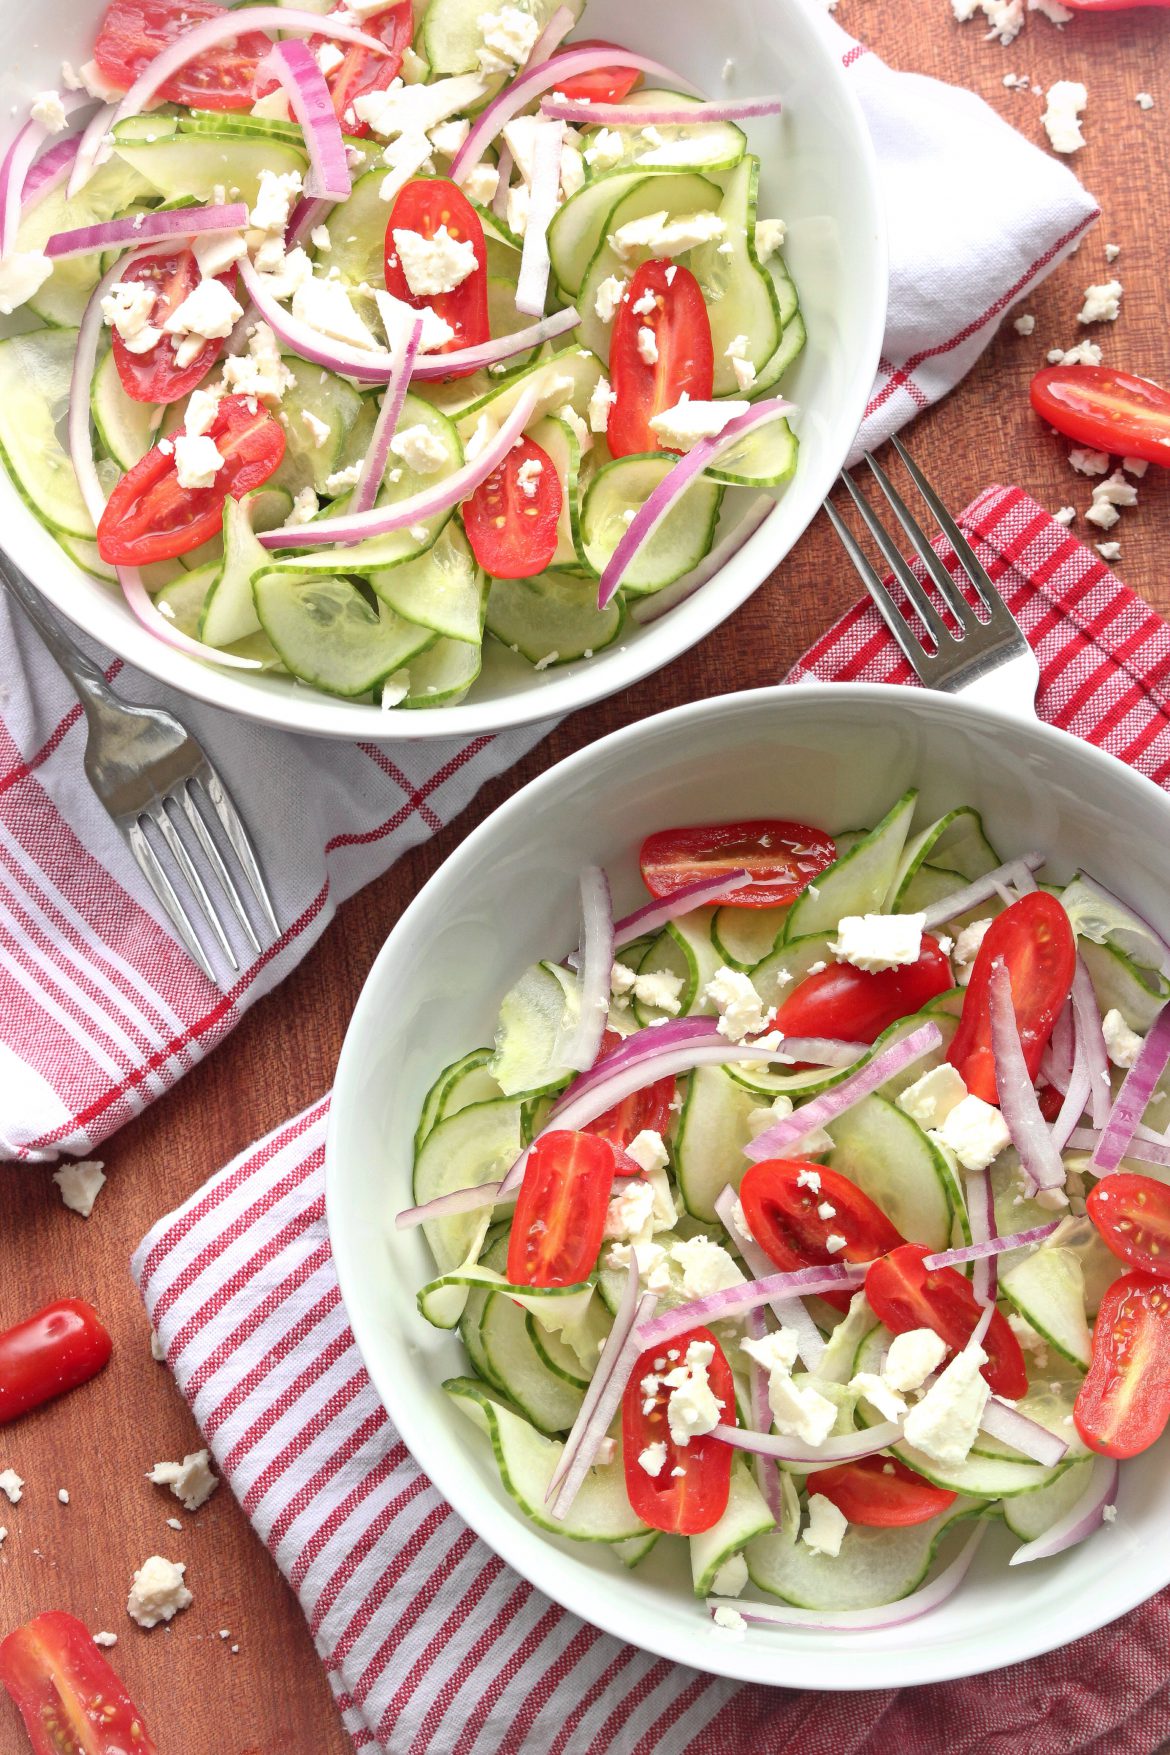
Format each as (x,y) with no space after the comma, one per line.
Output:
(271,1697)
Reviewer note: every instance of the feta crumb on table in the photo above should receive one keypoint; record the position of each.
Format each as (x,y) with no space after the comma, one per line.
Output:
(157,1592)
(1143,100)
(1066,103)
(105,1640)
(1102,303)
(1089,462)
(826,1526)
(191,1481)
(1109,551)
(1066,515)
(11,1485)
(1107,497)
(879,941)
(1025,325)
(80,1185)
(1134,466)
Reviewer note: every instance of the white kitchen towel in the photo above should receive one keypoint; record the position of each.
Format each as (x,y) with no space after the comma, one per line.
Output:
(100,1011)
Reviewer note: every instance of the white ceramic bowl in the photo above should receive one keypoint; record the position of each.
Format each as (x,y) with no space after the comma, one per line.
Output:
(836,756)
(822,182)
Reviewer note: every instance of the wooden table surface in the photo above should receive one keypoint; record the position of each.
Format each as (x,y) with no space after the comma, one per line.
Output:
(200,1695)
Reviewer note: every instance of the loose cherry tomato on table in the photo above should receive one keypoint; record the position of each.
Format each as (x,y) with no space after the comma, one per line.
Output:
(605,85)
(684,357)
(881,1493)
(686,1503)
(71,1701)
(1034,938)
(425,205)
(48,1354)
(1132,1213)
(1107,409)
(781,859)
(155,376)
(853,1005)
(1124,1402)
(511,519)
(648,1108)
(905,1295)
(134,32)
(559,1220)
(150,517)
(783,1217)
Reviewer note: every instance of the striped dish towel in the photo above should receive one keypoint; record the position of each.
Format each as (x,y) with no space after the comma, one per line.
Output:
(100,1013)
(429,1641)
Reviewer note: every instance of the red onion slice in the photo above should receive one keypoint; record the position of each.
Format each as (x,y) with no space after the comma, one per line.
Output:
(1091,1043)
(653,916)
(294,65)
(988,1248)
(736,1301)
(1081,1518)
(1136,1090)
(535,263)
(1027,1436)
(1017,1096)
(17,168)
(919,1602)
(659,115)
(778,1141)
(148,228)
(1140,1149)
(551,37)
(583,1045)
(767,1479)
(405,347)
(849,1447)
(49,171)
(654,509)
(790,1312)
(981,890)
(649,610)
(304,218)
(444,1206)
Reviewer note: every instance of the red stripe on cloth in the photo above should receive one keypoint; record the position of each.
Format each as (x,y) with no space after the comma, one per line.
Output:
(466,1667)
(289,1341)
(528,1646)
(556,1676)
(359,1552)
(22,768)
(228,1288)
(424,1663)
(255,1319)
(321,1537)
(315,1369)
(346,1451)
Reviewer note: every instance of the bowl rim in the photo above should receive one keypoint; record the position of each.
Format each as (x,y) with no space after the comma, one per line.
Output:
(514,1538)
(620,668)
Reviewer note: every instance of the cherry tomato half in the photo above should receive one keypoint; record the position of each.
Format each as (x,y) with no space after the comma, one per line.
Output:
(853,1005)
(782,859)
(154,376)
(149,517)
(1124,1402)
(1107,409)
(361,72)
(48,1354)
(1132,1213)
(783,1216)
(560,1216)
(881,1493)
(134,32)
(511,519)
(906,1295)
(605,85)
(1034,938)
(648,1108)
(687,1503)
(684,357)
(71,1701)
(425,205)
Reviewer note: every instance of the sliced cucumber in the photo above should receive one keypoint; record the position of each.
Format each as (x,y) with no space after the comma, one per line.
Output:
(890,1159)
(792,339)
(327,633)
(1122,985)
(557,1356)
(955,842)
(110,191)
(763,458)
(846,1348)
(441,1302)
(741,299)
(980,1477)
(713,1131)
(35,374)
(557,438)
(544,1397)
(579,227)
(930,883)
(505,319)
(357,232)
(875,1566)
(182,600)
(526,1459)
(553,618)
(786,966)
(87,557)
(746,1517)
(567,377)
(441,589)
(684,950)
(1048,1290)
(1031,1514)
(443,674)
(693,146)
(229,611)
(636,1548)
(477,1144)
(1104,920)
(861,880)
(199,164)
(534,1017)
(126,428)
(452,30)
(310,458)
(745,936)
(678,545)
(453,1079)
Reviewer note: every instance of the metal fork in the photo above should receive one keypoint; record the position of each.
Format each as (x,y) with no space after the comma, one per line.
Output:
(988,659)
(140,761)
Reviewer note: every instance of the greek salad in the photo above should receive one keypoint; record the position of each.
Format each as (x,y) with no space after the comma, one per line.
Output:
(816,1213)
(356,334)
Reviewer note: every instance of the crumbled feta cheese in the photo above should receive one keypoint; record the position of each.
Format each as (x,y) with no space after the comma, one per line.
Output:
(1109,551)
(448,137)
(930,1099)
(157,1592)
(202,407)
(629,1215)
(646,305)
(826,1210)
(652,1260)
(600,403)
(80,1185)
(661,235)
(880,1394)
(404,158)
(944,1423)
(622,979)
(659,990)
(480,184)
(693,1407)
(1052,10)
(1124,1045)
(330,55)
(516,212)
(411,110)
(741,1010)
(191,1481)
(1107,496)
(912,1357)
(342,479)
(1102,303)
(769,238)
(1089,462)
(975,1132)
(572,419)
(1066,102)
(835,1243)
(799,1410)
(1143,100)
(49,111)
(729,1619)
(879,941)
(319,430)
(1006,18)
(777,1350)
(967,948)
(1085,353)
(653,1458)
(434,265)
(274,106)
(261,372)
(528,476)
(1134,466)
(278,190)
(326,307)
(605,151)
(11,1485)
(105,1640)
(208,313)
(22,275)
(810,1179)
(1025,325)
(216,254)
(127,310)
(395,690)
(419,449)
(647,345)
(647,1150)
(706,1267)
(97,85)
(680,428)
(730,1578)
(826,1526)
(507,38)
(63,1495)
(1066,515)
(197,459)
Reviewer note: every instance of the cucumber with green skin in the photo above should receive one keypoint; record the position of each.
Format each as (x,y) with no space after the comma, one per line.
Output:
(874,1566)
(746,1517)
(198,165)
(329,635)
(552,619)
(35,376)
(676,547)
(441,589)
(861,880)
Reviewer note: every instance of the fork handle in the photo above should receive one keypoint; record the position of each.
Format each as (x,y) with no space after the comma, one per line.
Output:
(85,676)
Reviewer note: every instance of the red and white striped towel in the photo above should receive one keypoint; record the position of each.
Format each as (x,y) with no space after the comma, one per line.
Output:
(99,1012)
(430,1642)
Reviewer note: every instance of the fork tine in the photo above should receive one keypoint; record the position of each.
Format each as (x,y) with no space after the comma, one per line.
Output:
(236,833)
(931,620)
(951,595)
(897,624)
(160,817)
(161,884)
(968,559)
(194,817)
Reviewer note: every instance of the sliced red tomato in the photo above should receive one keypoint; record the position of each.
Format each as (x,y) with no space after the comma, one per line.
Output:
(683,358)
(1114,5)
(71,1701)
(648,1108)
(362,72)
(1034,938)
(783,1215)
(781,858)
(605,85)
(853,1005)
(906,1295)
(1124,1402)
(1109,410)
(511,519)
(560,1215)
(133,32)
(149,517)
(154,376)
(881,1493)
(425,205)
(690,1490)
(48,1354)
(1132,1213)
